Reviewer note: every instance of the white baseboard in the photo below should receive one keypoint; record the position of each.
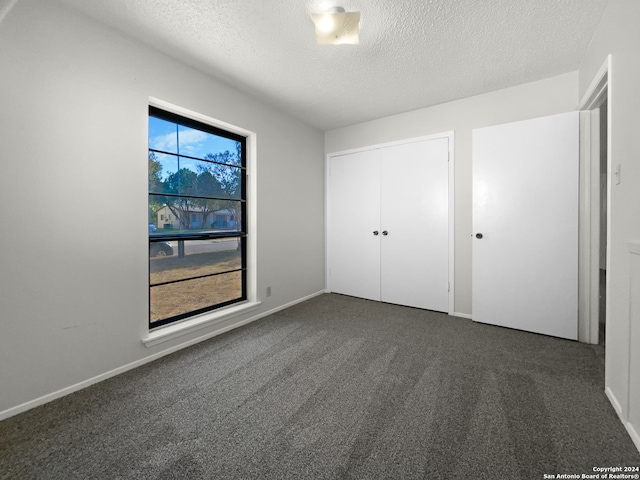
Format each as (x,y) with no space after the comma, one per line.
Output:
(461,315)
(616,405)
(633,434)
(631,429)
(291,304)
(10,412)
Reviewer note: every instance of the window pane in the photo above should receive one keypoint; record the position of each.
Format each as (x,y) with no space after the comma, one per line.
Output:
(184,297)
(182,179)
(194,215)
(185,176)
(163,135)
(210,179)
(201,257)
(163,170)
(228,217)
(229,179)
(199,144)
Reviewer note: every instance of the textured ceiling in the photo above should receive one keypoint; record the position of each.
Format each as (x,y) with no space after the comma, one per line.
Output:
(412,53)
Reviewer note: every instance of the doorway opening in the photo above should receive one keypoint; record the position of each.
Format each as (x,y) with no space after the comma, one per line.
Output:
(602,247)
(594,212)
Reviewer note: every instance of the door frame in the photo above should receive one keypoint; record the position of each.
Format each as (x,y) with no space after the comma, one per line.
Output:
(589,223)
(451,203)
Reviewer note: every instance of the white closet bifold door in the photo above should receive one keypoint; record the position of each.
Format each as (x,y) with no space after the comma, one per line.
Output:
(354,206)
(414,212)
(388,221)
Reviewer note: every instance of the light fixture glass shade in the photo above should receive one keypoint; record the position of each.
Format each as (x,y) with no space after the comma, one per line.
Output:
(337,27)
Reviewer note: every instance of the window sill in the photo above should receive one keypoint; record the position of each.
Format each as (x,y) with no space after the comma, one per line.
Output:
(165,334)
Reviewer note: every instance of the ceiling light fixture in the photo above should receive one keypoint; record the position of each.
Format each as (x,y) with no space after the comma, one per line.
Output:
(337,27)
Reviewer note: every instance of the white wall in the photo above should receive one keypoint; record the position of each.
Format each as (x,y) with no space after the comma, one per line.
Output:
(73,124)
(536,99)
(618,35)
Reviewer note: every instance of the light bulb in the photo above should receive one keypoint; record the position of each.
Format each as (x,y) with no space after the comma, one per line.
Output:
(328,23)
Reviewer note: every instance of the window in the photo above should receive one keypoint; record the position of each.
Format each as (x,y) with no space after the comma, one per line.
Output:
(197,218)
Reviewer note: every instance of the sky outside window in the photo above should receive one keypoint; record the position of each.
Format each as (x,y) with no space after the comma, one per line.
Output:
(173,138)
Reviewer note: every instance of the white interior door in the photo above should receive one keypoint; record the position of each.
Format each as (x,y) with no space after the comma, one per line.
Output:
(353,217)
(525,206)
(414,213)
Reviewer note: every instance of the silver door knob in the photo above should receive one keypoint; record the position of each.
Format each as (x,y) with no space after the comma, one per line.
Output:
(375,232)
(385,233)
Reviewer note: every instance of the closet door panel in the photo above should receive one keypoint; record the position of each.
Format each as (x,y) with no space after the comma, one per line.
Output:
(415,214)
(353,217)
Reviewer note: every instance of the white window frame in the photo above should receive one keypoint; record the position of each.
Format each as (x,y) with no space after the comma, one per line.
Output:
(208,319)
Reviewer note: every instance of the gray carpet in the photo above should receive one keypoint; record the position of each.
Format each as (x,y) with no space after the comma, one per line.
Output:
(333,388)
